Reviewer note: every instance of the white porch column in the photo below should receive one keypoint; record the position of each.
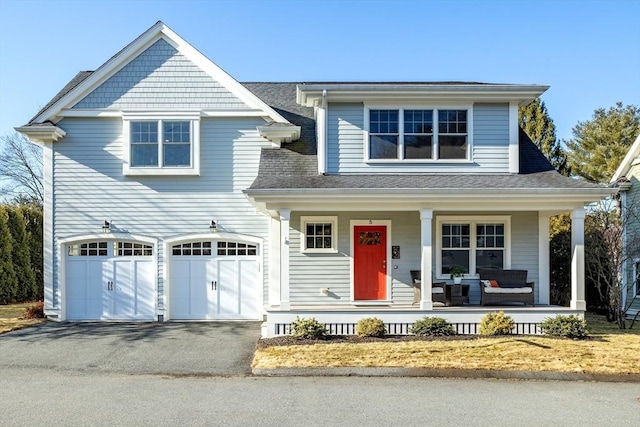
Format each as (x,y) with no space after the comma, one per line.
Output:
(285,218)
(426,220)
(577,260)
(274,261)
(544,260)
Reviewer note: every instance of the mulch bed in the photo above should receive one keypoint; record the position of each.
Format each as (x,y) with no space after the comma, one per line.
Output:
(354,339)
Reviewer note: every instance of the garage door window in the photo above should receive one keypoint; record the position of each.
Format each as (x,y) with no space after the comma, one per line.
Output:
(233,248)
(88,249)
(133,249)
(192,248)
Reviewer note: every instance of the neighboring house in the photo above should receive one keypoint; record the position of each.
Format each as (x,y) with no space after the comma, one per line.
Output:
(627,179)
(175,192)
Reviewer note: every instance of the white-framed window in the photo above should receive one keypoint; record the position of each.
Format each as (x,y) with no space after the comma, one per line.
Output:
(319,234)
(161,145)
(88,249)
(472,243)
(418,133)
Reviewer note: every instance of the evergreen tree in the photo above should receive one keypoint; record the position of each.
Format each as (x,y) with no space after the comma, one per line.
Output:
(534,119)
(8,279)
(33,223)
(21,255)
(599,145)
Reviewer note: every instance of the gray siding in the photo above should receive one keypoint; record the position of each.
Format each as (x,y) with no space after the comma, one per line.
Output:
(310,272)
(161,78)
(491,137)
(633,237)
(345,146)
(90,186)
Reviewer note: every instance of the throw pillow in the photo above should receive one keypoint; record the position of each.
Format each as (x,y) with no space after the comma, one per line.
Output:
(494,283)
(486,283)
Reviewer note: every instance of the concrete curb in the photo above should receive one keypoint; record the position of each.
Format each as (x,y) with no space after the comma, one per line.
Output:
(443,373)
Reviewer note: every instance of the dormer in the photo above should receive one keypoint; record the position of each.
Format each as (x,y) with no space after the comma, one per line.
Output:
(417,127)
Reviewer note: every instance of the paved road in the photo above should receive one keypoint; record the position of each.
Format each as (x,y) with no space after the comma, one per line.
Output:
(211,348)
(176,374)
(30,397)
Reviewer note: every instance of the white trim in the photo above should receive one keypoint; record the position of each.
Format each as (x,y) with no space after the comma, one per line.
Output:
(310,95)
(51,300)
(514,138)
(214,237)
(357,222)
(630,159)
(426,260)
(578,301)
(139,45)
(285,229)
(92,237)
(42,134)
(274,262)
(194,124)
(304,220)
(544,260)
(435,108)
(472,221)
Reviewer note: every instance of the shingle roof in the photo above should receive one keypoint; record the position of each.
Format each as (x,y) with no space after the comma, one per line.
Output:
(79,78)
(294,166)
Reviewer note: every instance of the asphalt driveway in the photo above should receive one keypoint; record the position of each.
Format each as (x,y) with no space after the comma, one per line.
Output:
(193,348)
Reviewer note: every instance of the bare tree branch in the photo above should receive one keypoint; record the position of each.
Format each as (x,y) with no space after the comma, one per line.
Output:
(20,169)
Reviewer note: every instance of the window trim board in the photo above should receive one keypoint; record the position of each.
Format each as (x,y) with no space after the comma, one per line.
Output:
(473,221)
(193,170)
(331,219)
(401,107)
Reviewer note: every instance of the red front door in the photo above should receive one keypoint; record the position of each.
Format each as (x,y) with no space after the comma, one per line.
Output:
(370,262)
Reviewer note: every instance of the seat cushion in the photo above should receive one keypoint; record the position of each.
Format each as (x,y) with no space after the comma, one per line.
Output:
(437,290)
(525,290)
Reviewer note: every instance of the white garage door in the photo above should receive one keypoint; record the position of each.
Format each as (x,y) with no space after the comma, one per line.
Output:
(215,280)
(107,280)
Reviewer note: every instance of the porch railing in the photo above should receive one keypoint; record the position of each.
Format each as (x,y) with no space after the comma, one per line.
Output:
(403,328)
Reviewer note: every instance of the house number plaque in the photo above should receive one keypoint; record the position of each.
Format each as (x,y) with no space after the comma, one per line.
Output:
(395,252)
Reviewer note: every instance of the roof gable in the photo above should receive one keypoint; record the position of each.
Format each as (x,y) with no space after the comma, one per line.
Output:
(628,161)
(159,36)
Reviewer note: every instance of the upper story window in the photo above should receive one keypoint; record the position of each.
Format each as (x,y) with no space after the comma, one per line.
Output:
(418,134)
(165,146)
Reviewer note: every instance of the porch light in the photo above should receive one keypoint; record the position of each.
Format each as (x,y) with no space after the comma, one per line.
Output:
(106,226)
(213,227)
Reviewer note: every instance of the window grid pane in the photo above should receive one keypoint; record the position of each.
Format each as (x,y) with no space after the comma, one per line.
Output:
(319,235)
(452,130)
(144,143)
(383,134)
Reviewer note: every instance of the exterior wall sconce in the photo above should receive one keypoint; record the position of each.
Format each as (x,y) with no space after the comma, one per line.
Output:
(106,226)
(213,227)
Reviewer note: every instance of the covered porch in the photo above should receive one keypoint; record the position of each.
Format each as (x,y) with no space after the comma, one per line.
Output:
(323,283)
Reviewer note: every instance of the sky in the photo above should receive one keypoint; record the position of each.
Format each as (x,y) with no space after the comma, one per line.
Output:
(587,51)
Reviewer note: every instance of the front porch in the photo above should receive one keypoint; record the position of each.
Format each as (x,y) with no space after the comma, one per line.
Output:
(398,319)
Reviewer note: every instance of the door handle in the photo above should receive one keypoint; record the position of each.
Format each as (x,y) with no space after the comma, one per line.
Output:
(109,285)
(214,285)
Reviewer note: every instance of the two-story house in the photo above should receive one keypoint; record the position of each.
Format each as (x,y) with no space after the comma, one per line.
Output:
(175,192)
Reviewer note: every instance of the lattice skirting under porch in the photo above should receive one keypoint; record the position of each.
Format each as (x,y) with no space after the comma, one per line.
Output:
(403,328)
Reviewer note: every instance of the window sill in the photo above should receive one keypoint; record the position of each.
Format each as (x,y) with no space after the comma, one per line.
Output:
(319,251)
(419,161)
(127,171)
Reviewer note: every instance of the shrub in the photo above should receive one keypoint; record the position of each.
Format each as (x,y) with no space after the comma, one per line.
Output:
(308,328)
(496,324)
(370,327)
(34,311)
(565,326)
(432,326)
